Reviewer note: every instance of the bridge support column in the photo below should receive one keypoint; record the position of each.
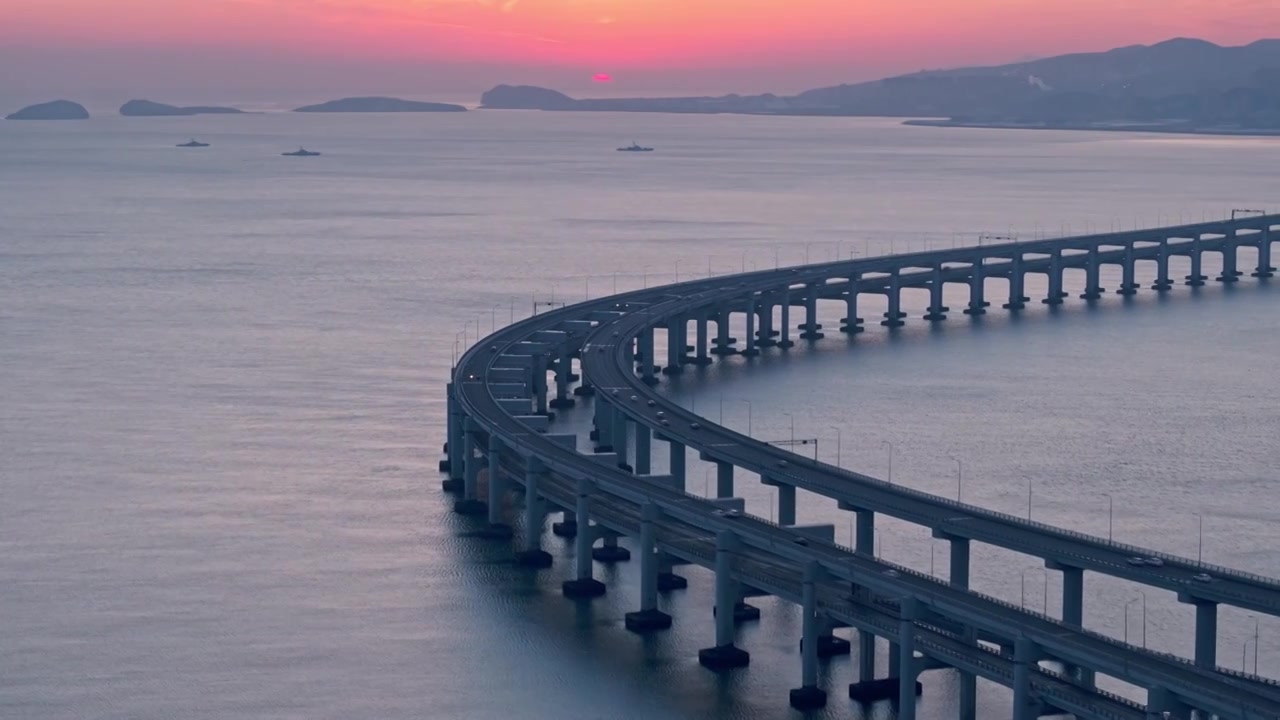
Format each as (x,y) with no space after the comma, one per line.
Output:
(700,356)
(675,464)
(865,544)
(668,580)
(724,343)
(784,325)
(534,515)
(750,348)
(470,504)
(1264,255)
(619,423)
(937,311)
(1162,704)
(497,488)
(539,385)
(811,327)
(766,334)
(675,346)
(906,668)
(1128,286)
(454,463)
(893,316)
(648,618)
(644,450)
(1093,284)
(977,290)
(1229,252)
(1017,300)
(564,375)
(852,324)
(786,504)
(604,423)
(1206,635)
(1024,652)
(1056,294)
(1196,278)
(959,577)
(583,585)
(1162,283)
(724,479)
(609,551)
(1073,613)
(724,655)
(647,359)
(809,696)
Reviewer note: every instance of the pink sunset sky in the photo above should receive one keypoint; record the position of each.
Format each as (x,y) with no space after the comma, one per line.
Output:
(423,47)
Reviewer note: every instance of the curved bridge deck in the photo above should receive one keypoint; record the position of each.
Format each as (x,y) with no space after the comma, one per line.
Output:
(499,417)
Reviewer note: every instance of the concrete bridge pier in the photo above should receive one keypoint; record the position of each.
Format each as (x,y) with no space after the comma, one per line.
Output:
(907,667)
(647,365)
(644,449)
(539,385)
(1017,300)
(1162,282)
(619,423)
(497,488)
(1055,294)
(604,422)
(977,290)
(766,335)
(852,324)
(534,516)
(1229,253)
(1024,657)
(809,696)
(1264,255)
(786,500)
(724,479)
(1093,284)
(725,655)
(584,585)
(959,554)
(750,349)
(937,311)
(784,323)
(1162,704)
(648,618)
(667,579)
(675,346)
(1206,648)
(1073,613)
(701,346)
(564,376)
(1128,286)
(609,551)
(676,464)
(454,463)
(811,327)
(470,504)
(1196,278)
(864,543)
(724,343)
(567,527)
(893,316)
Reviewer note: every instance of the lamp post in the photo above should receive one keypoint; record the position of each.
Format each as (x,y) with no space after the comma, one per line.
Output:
(793,428)
(615,282)
(1200,543)
(959,476)
(1111,506)
(833,427)
(1126,619)
(933,546)
(1028,498)
(889,443)
(1255,644)
(677,271)
(1144,617)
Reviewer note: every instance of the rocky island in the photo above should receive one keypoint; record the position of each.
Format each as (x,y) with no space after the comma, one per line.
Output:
(147,108)
(56,110)
(379,105)
(1181,85)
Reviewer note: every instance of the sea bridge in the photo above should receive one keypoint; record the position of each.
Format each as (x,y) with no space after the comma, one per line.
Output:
(506,387)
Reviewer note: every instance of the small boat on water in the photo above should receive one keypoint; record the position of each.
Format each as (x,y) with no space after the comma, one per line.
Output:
(194,143)
(300,152)
(634,147)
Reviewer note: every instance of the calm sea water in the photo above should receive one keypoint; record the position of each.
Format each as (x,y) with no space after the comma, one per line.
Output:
(222,378)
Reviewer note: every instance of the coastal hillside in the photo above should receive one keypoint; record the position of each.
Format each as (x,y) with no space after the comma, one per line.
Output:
(1191,82)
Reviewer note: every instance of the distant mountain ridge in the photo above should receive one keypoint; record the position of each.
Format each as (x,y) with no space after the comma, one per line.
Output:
(1186,82)
(378,105)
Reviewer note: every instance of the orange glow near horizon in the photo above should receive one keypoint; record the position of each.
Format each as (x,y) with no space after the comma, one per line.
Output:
(637,34)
